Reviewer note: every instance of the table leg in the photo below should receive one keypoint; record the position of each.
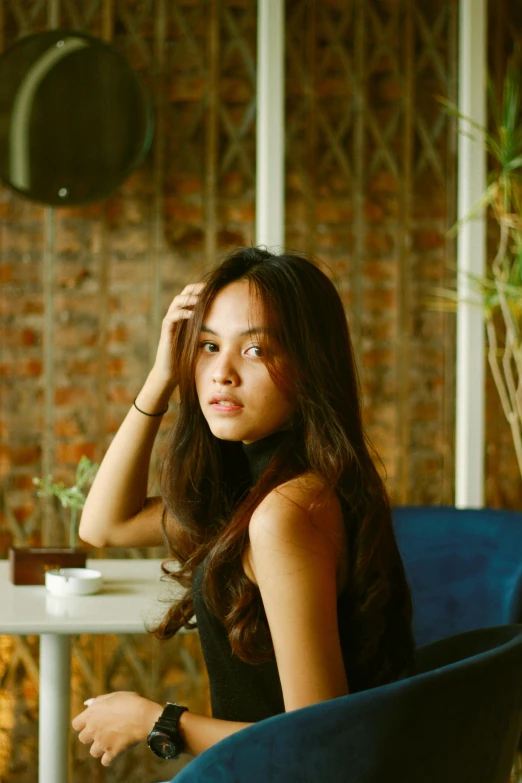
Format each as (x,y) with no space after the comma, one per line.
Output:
(55,685)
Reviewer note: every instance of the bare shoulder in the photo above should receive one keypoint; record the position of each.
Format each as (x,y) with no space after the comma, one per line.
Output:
(305,496)
(302,508)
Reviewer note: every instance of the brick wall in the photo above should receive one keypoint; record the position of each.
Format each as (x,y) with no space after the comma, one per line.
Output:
(370,190)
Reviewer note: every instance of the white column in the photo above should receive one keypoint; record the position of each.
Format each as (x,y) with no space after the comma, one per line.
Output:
(54,712)
(471,254)
(270,141)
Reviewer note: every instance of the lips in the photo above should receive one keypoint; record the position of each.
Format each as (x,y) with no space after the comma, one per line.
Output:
(224,399)
(223,403)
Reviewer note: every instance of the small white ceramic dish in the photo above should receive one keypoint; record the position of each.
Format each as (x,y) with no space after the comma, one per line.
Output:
(73,581)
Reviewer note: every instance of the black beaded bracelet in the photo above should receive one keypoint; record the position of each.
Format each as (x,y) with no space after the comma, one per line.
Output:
(161,413)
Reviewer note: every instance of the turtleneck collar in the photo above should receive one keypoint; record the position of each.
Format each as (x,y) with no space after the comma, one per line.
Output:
(260,452)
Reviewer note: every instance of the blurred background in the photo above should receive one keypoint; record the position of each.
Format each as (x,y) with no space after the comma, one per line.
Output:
(370,190)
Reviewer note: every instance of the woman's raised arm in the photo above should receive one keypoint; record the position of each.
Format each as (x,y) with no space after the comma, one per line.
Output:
(117,511)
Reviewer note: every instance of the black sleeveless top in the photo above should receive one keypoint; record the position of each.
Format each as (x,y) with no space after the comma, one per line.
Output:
(242,691)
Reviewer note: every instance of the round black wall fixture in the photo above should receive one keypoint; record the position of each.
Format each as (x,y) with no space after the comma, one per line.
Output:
(75,119)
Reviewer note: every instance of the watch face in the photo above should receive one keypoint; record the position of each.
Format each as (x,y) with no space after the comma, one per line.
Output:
(163,745)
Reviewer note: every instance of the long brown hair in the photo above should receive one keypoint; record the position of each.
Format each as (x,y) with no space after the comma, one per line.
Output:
(208,504)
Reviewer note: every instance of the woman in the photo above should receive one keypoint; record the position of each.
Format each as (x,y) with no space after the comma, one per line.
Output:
(271,505)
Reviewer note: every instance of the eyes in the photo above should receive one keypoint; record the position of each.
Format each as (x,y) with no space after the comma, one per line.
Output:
(254,351)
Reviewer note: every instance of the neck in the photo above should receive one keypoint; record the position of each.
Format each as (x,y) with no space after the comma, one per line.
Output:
(259,453)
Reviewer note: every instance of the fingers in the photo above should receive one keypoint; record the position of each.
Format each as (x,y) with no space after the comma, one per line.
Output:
(107,755)
(96,751)
(182,301)
(108,724)
(193,288)
(182,304)
(78,723)
(85,737)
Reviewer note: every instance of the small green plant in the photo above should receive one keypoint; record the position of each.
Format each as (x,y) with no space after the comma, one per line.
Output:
(70,497)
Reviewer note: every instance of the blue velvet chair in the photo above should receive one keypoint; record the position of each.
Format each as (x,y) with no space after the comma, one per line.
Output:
(458,719)
(464,567)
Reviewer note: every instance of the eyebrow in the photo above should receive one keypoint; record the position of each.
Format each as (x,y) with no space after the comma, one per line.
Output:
(246,333)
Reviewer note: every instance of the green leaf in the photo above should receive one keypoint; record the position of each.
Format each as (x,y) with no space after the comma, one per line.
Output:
(70,497)
(86,471)
(514,163)
(452,110)
(478,208)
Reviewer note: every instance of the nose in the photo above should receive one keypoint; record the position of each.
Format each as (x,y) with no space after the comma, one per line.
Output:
(224,372)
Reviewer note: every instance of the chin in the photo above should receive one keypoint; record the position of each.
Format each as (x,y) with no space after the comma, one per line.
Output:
(225,431)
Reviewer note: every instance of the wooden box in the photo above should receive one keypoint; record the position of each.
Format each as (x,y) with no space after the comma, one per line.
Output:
(28,565)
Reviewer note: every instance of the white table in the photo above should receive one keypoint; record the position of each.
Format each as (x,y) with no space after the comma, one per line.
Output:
(129,599)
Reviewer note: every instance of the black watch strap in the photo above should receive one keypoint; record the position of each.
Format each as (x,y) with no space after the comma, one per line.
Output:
(169,718)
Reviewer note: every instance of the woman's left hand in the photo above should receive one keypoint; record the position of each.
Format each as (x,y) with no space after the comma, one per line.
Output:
(115,722)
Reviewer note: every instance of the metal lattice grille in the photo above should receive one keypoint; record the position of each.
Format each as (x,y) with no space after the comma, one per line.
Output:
(370,189)
(366,137)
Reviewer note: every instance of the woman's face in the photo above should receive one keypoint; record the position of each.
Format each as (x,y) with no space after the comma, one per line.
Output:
(239,399)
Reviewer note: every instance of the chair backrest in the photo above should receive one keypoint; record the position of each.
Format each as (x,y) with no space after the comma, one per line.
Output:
(464,567)
(459,719)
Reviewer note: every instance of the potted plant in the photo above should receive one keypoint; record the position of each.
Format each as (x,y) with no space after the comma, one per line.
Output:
(501,288)
(73,497)
(28,565)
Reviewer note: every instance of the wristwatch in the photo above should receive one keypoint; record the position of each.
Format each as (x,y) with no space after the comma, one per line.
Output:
(164,738)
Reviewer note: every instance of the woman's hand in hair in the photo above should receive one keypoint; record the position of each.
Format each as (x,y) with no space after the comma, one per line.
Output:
(118,511)
(180,309)
(115,722)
